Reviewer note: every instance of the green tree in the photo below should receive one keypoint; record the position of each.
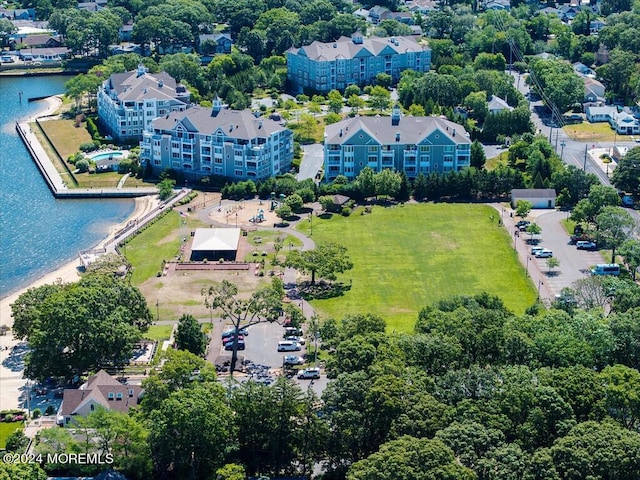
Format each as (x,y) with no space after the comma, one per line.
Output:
(477,103)
(22,471)
(189,335)
(295,202)
(356,103)
(615,226)
(335,102)
(387,183)
(412,459)
(552,262)
(383,79)
(626,176)
(404,192)
(17,442)
(600,196)
(523,207)
(192,432)
(379,98)
(165,188)
(82,326)
(365,182)
(478,158)
(264,305)
(324,261)
(6,29)
(231,471)
(284,212)
(630,250)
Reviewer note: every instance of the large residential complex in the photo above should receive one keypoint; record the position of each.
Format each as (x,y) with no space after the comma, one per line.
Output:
(128,102)
(412,144)
(233,143)
(323,67)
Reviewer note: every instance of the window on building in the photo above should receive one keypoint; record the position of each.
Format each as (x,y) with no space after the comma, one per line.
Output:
(238,173)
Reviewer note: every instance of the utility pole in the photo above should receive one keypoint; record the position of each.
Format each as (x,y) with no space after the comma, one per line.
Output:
(557,135)
(584,165)
(562,145)
(550,132)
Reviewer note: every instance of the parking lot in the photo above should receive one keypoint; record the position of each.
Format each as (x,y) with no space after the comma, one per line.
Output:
(574,264)
(261,348)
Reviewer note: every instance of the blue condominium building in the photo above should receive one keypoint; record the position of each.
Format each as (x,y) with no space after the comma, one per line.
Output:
(200,142)
(410,144)
(322,67)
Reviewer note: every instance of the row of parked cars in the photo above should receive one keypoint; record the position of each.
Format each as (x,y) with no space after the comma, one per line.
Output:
(229,336)
(293,341)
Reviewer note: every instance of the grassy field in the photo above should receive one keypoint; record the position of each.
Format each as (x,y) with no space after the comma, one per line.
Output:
(66,136)
(492,163)
(408,257)
(591,132)
(7,429)
(159,333)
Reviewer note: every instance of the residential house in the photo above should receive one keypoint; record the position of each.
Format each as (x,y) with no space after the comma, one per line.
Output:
(18,14)
(375,14)
(37,41)
(44,54)
(128,48)
(568,13)
(323,67)
(539,197)
(212,43)
(581,69)
(602,55)
(200,142)
(624,123)
(125,32)
(129,101)
(410,144)
(593,90)
(552,11)
(600,114)
(504,5)
(100,390)
(402,17)
(497,105)
(595,26)
(362,13)
(91,6)
(423,7)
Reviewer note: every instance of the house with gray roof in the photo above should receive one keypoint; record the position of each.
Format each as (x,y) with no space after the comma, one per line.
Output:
(201,142)
(322,67)
(129,101)
(100,390)
(497,105)
(600,114)
(410,144)
(211,43)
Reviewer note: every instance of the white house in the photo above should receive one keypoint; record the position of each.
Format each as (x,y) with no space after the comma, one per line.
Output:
(497,105)
(625,123)
(600,114)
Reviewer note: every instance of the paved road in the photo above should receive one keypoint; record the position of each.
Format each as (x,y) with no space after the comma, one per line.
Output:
(312,161)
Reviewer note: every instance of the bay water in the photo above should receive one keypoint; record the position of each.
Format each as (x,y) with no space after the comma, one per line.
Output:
(39,233)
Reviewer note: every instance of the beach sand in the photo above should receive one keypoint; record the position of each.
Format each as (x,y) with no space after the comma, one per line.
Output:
(11,382)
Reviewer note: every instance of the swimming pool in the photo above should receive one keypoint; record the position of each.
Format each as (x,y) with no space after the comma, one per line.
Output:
(107,155)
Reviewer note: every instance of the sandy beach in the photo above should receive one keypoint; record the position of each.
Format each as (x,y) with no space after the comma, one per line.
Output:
(11,381)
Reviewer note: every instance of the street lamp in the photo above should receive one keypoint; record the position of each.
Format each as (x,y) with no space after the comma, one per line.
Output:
(540,283)
(157,310)
(311,222)
(562,145)
(527,273)
(290,245)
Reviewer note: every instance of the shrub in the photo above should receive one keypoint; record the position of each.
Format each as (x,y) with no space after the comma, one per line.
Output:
(37,413)
(88,147)
(346,211)
(50,410)
(82,165)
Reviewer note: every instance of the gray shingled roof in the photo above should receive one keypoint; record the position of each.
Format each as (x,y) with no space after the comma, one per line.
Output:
(241,124)
(131,87)
(533,192)
(344,47)
(412,130)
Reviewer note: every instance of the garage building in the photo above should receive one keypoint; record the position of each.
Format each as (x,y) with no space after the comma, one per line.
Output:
(539,197)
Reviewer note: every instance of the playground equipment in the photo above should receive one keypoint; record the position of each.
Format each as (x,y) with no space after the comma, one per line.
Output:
(259,218)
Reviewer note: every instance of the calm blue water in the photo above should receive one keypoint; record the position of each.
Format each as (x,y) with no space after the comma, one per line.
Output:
(37,232)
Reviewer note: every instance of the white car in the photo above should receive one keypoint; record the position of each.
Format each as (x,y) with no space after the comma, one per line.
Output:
(535,250)
(544,253)
(309,374)
(299,340)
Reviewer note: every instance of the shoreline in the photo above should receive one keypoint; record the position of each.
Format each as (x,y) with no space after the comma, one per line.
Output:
(68,271)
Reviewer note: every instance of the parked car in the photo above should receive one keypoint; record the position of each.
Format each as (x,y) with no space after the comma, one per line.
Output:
(309,374)
(535,250)
(579,238)
(300,340)
(289,346)
(544,253)
(522,223)
(293,360)
(292,332)
(229,346)
(232,338)
(586,245)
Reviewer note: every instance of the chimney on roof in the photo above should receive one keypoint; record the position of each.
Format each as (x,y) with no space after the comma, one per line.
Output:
(231,127)
(259,124)
(141,70)
(160,83)
(341,132)
(335,45)
(397,136)
(454,133)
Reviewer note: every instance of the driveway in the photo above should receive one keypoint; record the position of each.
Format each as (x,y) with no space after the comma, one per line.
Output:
(312,161)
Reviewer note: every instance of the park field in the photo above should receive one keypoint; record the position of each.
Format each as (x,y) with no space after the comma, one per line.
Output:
(407,257)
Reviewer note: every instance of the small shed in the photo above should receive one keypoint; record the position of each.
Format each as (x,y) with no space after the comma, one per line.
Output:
(339,201)
(215,243)
(539,197)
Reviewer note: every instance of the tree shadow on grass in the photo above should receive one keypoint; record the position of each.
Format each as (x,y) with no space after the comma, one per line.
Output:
(322,290)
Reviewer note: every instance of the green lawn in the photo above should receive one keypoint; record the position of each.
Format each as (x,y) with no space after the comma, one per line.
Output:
(159,333)
(147,250)
(408,257)
(7,429)
(591,132)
